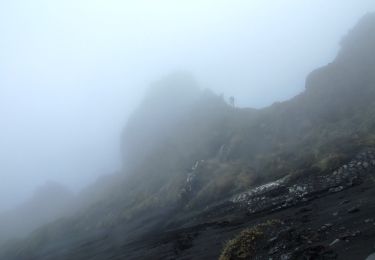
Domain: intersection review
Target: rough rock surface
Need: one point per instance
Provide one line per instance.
(327, 216)
(286, 192)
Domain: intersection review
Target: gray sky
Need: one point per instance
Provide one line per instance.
(71, 71)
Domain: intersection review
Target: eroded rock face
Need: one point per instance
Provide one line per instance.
(312, 228)
(191, 181)
(286, 192)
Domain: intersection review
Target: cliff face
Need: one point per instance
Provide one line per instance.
(348, 82)
(187, 154)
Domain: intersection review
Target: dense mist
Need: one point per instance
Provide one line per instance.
(73, 72)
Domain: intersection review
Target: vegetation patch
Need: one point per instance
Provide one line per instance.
(245, 244)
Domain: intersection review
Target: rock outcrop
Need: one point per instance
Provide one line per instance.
(291, 190)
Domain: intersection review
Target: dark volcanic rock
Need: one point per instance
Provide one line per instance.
(271, 196)
(353, 210)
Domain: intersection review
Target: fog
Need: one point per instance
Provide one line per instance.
(71, 72)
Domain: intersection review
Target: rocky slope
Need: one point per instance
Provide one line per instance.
(291, 181)
(49, 202)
